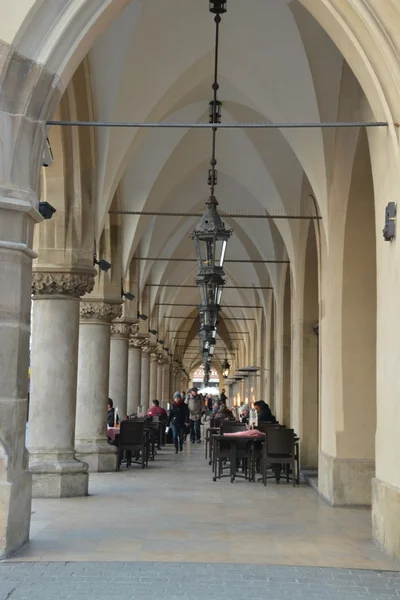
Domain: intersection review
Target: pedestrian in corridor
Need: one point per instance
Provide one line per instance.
(178, 419)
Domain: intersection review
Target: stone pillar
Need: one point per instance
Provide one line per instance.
(160, 368)
(118, 383)
(153, 377)
(17, 218)
(145, 377)
(93, 378)
(134, 371)
(166, 385)
(54, 361)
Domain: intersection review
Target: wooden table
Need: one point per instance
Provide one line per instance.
(233, 441)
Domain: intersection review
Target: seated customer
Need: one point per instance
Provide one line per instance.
(111, 414)
(156, 410)
(264, 412)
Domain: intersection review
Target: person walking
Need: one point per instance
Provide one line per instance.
(178, 419)
(195, 410)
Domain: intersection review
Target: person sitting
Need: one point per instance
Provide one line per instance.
(224, 412)
(156, 410)
(244, 416)
(264, 412)
(111, 414)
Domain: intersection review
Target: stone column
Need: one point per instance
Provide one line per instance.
(145, 377)
(93, 378)
(17, 218)
(118, 384)
(134, 371)
(166, 386)
(54, 361)
(153, 377)
(160, 368)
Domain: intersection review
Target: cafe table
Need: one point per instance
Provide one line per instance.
(234, 439)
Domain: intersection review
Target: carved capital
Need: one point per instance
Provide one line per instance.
(100, 311)
(120, 330)
(153, 355)
(62, 284)
(146, 348)
(136, 342)
(134, 329)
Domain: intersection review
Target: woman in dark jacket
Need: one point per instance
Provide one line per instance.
(178, 419)
(264, 412)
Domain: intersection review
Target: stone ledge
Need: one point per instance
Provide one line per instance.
(386, 517)
(345, 481)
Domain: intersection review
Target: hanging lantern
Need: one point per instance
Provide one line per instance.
(211, 237)
(225, 368)
(214, 111)
(218, 7)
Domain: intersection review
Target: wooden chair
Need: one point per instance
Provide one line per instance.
(279, 450)
(133, 441)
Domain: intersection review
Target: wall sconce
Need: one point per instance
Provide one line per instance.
(142, 317)
(153, 331)
(46, 210)
(389, 231)
(103, 264)
(126, 295)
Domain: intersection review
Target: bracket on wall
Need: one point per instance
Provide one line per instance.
(389, 231)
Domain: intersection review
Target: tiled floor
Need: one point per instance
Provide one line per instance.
(174, 512)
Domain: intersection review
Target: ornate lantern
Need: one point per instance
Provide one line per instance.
(225, 368)
(211, 238)
(218, 7)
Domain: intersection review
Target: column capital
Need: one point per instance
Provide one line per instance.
(153, 354)
(62, 284)
(120, 330)
(100, 311)
(137, 342)
(146, 348)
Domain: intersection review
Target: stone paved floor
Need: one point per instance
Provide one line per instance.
(153, 531)
(184, 581)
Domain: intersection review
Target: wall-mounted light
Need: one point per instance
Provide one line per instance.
(142, 317)
(161, 342)
(126, 295)
(46, 210)
(103, 264)
(153, 331)
(389, 231)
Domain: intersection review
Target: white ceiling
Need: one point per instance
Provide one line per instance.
(154, 63)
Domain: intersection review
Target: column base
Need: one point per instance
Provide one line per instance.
(345, 481)
(386, 517)
(15, 513)
(100, 457)
(58, 478)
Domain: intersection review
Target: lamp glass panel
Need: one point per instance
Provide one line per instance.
(220, 251)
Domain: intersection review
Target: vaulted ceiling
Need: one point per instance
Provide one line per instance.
(155, 63)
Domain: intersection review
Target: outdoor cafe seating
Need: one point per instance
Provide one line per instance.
(268, 448)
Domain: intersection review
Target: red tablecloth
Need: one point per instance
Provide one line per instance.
(249, 433)
(112, 432)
